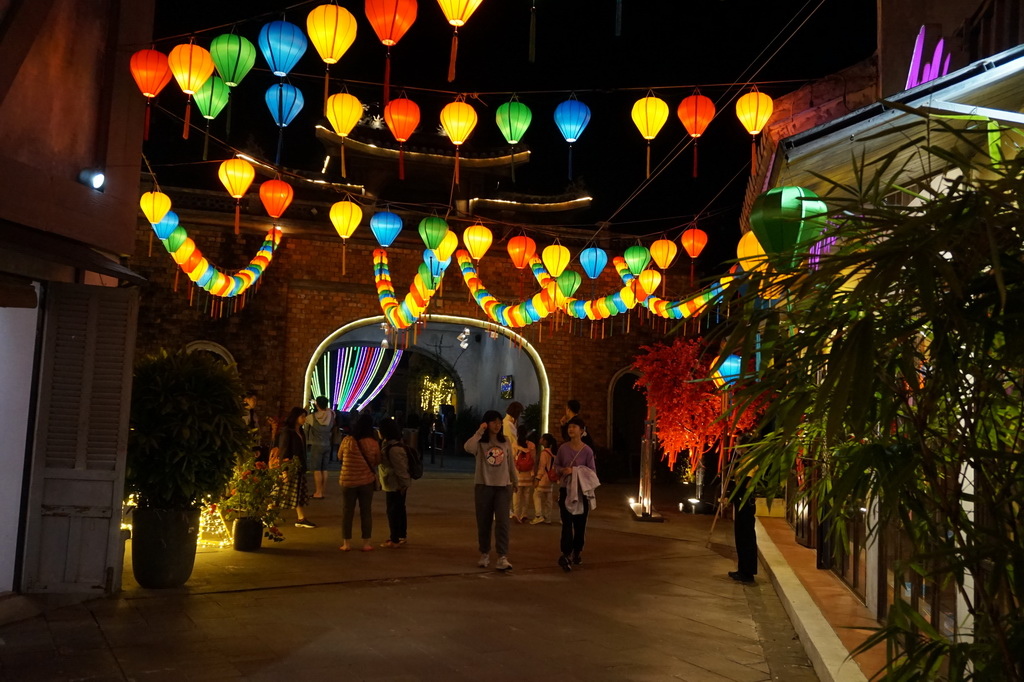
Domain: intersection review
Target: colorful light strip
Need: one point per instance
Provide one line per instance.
(357, 371)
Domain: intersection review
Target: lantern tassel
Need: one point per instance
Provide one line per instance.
(344, 172)
(206, 141)
(401, 162)
(188, 118)
(618, 18)
(150, 244)
(238, 216)
(145, 125)
(280, 141)
(455, 51)
(753, 155)
(648, 159)
(533, 32)
(344, 252)
(327, 79)
(695, 158)
(570, 162)
(456, 164)
(387, 77)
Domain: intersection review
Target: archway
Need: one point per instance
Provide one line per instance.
(627, 410)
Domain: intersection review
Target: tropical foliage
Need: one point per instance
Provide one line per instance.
(898, 365)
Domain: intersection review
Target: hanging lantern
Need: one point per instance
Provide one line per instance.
(572, 117)
(649, 114)
(664, 251)
(555, 258)
(282, 44)
(155, 206)
(385, 227)
(236, 175)
(285, 101)
(401, 116)
(191, 65)
(458, 120)
(211, 99)
(151, 73)
(276, 196)
(447, 246)
(513, 118)
(457, 12)
(637, 257)
(345, 216)
(753, 110)
(166, 225)
(593, 260)
(783, 217)
(477, 239)
(568, 282)
(649, 280)
(184, 252)
(233, 56)
(521, 249)
(750, 253)
(343, 111)
(390, 20)
(432, 231)
(695, 113)
(728, 372)
(435, 265)
(332, 29)
(694, 240)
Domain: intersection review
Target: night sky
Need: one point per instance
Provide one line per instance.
(667, 45)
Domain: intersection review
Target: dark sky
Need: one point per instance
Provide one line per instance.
(664, 44)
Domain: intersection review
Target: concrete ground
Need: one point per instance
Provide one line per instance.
(650, 602)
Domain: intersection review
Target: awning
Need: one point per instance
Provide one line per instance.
(19, 239)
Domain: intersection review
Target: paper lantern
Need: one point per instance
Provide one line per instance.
(175, 239)
(458, 120)
(694, 240)
(236, 175)
(555, 258)
(457, 12)
(435, 265)
(345, 216)
(521, 249)
(390, 20)
(649, 114)
(285, 101)
(276, 196)
(664, 251)
(343, 112)
(401, 116)
(728, 372)
(513, 118)
(191, 65)
(593, 260)
(155, 206)
(568, 282)
(784, 216)
(637, 257)
(695, 113)
(750, 253)
(151, 73)
(477, 240)
(183, 252)
(447, 246)
(233, 56)
(211, 98)
(432, 231)
(572, 117)
(649, 280)
(166, 225)
(385, 227)
(753, 110)
(282, 44)
(332, 29)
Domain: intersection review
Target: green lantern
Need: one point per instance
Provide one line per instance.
(212, 97)
(513, 119)
(432, 231)
(568, 282)
(783, 217)
(637, 257)
(233, 56)
(175, 239)
(428, 278)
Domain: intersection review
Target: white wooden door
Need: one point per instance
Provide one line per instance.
(72, 538)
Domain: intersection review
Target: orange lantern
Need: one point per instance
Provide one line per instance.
(521, 249)
(649, 114)
(343, 111)
(457, 12)
(664, 251)
(556, 259)
(276, 196)
(345, 216)
(754, 109)
(151, 73)
(236, 175)
(477, 240)
(155, 206)
(694, 240)
(390, 20)
(332, 30)
(458, 120)
(401, 116)
(191, 66)
(695, 113)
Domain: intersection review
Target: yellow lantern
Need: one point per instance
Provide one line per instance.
(447, 246)
(556, 259)
(477, 240)
(236, 175)
(345, 216)
(754, 109)
(155, 206)
(649, 280)
(649, 114)
(750, 253)
(458, 120)
(184, 252)
(343, 111)
(664, 251)
(628, 297)
(332, 30)
(457, 12)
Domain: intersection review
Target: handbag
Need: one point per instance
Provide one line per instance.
(376, 478)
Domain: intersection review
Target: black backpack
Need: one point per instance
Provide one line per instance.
(414, 459)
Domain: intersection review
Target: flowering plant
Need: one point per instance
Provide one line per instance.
(255, 492)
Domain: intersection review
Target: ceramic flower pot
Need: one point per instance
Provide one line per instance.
(164, 546)
(248, 534)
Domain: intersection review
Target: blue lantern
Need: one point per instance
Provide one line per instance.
(385, 227)
(593, 261)
(436, 266)
(728, 372)
(282, 44)
(166, 225)
(206, 277)
(285, 102)
(571, 117)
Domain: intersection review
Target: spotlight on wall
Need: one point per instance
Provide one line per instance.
(92, 177)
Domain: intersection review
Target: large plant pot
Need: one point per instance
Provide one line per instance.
(164, 546)
(248, 534)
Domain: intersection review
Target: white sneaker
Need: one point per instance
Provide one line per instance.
(484, 561)
(503, 564)
(536, 520)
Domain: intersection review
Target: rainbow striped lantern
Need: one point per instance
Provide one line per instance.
(385, 226)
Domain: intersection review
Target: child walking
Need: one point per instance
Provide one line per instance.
(544, 482)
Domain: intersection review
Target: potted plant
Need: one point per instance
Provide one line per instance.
(253, 504)
(186, 431)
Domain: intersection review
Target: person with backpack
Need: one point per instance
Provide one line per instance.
(526, 466)
(545, 487)
(395, 481)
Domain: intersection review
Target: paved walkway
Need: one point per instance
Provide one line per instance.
(651, 602)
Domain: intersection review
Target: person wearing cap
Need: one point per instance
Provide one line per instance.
(578, 478)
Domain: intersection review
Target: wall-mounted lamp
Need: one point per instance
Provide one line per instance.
(92, 177)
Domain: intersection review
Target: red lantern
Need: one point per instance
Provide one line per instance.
(695, 113)
(276, 196)
(401, 116)
(694, 240)
(390, 20)
(521, 249)
(151, 73)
